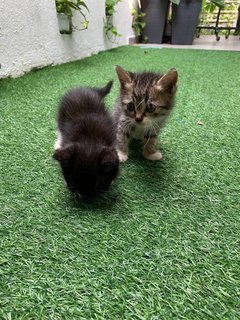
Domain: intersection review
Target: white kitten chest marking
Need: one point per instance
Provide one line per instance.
(58, 142)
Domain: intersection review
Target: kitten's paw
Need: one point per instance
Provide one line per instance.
(154, 156)
(122, 156)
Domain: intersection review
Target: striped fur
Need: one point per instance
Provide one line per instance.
(144, 103)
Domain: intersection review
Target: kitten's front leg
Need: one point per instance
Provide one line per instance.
(122, 146)
(149, 149)
(58, 142)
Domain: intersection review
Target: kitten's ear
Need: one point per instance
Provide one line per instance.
(64, 154)
(123, 76)
(168, 82)
(105, 90)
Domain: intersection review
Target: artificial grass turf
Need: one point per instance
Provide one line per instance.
(164, 242)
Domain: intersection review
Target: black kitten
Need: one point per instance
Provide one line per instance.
(85, 146)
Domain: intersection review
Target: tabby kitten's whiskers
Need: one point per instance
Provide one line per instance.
(144, 103)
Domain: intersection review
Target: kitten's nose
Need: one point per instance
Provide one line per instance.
(138, 119)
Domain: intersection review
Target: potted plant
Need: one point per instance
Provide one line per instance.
(184, 19)
(154, 19)
(65, 12)
(110, 30)
(185, 15)
(138, 24)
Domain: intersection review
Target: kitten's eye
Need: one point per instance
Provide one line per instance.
(150, 108)
(130, 106)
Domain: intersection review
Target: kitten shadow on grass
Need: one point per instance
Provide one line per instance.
(102, 202)
(139, 180)
(156, 176)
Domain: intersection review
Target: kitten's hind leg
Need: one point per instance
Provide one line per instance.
(154, 156)
(149, 149)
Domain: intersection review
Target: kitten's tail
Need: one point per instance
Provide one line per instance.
(105, 90)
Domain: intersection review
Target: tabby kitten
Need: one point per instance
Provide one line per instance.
(85, 146)
(144, 103)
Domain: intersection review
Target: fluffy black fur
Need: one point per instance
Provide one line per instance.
(86, 153)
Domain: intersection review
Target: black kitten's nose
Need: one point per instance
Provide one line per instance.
(84, 197)
(88, 195)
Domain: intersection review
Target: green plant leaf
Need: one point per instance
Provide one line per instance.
(73, 6)
(175, 1)
(85, 24)
(219, 3)
(210, 7)
(142, 24)
(83, 4)
(110, 12)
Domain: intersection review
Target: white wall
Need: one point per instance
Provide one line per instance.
(29, 34)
